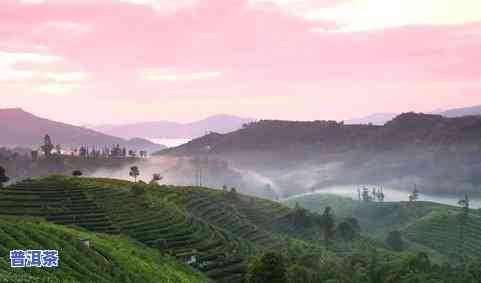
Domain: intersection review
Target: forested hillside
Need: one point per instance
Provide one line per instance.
(404, 130)
(297, 157)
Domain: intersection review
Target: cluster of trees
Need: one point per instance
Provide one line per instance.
(367, 267)
(375, 194)
(114, 151)
(231, 194)
(50, 150)
(347, 229)
(139, 187)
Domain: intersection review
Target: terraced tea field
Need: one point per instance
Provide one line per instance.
(442, 231)
(109, 258)
(221, 231)
(428, 227)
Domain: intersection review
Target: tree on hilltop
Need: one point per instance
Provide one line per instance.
(156, 178)
(77, 173)
(134, 172)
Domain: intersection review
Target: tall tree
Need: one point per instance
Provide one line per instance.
(134, 172)
(47, 146)
(328, 225)
(3, 177)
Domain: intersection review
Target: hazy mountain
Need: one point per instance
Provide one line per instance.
(382, 118)
(20, 128)
(465, 111)
(404, 129)
(299, 156)
(164, 129)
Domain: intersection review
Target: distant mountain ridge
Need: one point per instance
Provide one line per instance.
(221, 123)
(21, 128)
(383, 117)
(465, 111)
(405, 129)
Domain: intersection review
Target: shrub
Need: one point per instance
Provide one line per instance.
(270, 267)
(77, 173)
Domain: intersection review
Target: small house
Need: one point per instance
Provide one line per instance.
(85, 242)
(189, 258)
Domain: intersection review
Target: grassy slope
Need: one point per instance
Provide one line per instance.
(441, 231)
(110, 258)
(427, 226)
(224, 230)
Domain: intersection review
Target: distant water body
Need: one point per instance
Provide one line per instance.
(170, 142)
(397, 195)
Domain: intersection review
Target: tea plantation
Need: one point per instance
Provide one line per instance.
(109, 258)
(221, 230)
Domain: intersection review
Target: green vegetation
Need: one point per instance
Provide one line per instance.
(268, 268)
(222, 229)
(448, 233)
(230, 237)
(375, 218)
(108, 259)
(394, 240)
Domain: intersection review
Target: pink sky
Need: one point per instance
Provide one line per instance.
(114, 61)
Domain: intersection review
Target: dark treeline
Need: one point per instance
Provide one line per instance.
(51, 158)
(368, 267)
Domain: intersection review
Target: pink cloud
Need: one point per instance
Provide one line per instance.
(254, 51)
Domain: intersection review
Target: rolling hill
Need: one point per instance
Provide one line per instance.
(20, 128)
(296, 157)
(405, 129)
(164, 129)
(428, 226)
(222, 229)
